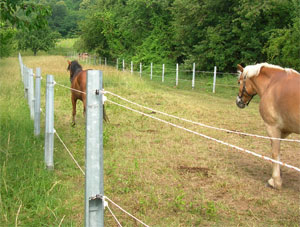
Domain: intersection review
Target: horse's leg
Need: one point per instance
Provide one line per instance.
(84, 104)
(275, 181)
(74, 100)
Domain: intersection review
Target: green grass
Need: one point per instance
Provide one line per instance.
(160, 174)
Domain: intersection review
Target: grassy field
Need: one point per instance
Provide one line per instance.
(162, 175)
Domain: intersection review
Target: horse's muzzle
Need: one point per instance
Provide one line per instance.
(240, 103)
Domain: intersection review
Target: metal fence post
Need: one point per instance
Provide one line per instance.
(37, 103)
(94, 209)
(117, 64)
(163, 73)
(140, 69)
(193, 80)
(25, 71)
(177, 69)
(123, 63)
(49, 121)
(21, 66)
(215, 78)
(31, 93)
(151, 70)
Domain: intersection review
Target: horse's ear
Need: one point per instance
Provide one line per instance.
(69, 62)
(240, 68)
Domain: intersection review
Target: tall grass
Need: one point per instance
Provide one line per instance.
(162, 175)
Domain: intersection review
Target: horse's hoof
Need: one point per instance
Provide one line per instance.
(271, 184)
(73, 124)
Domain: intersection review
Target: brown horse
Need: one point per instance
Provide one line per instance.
(78, 86)
(279, 91)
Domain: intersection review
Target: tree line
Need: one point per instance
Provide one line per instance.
(218, 32)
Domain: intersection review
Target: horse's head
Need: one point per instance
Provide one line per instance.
(246, 89)
(74, 67)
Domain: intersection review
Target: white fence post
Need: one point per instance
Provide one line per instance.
(117, 63)
(163, 73)
(193, 80)
(49, 121)
(140, 69)
(21, 66)
(215, 78)
(37, 103)
(26, 79)
(31, 93)
(94, 209)
(123, 63)
(177, 71)
(151, 70)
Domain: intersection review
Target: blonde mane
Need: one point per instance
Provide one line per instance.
(254, 70)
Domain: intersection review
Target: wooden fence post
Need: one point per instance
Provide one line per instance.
(37, 103)
(94, 209)
(49, 121)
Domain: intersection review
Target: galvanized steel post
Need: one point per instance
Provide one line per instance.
(151, 70)
(31, 93)
(140, 69)
(177, 69)
(94, 209)
(163, 73)
(26, 72)
(21, 66)
(49, 121)
(193, 80)
(37, 103)
(215, 78)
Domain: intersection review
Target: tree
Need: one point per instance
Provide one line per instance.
(7, 42)
(283, 46)
(22, 14)
(37, 40)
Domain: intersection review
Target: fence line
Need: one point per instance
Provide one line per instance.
(174, 125)
(208, 137)
(51, 83)
(164, 69)
(200, 124)
(69, 152)
(190, 121)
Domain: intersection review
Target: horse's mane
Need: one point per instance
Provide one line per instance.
(74, 68)
(254, 70)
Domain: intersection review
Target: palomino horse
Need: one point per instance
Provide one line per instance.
(279, 92)
(78, 83)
